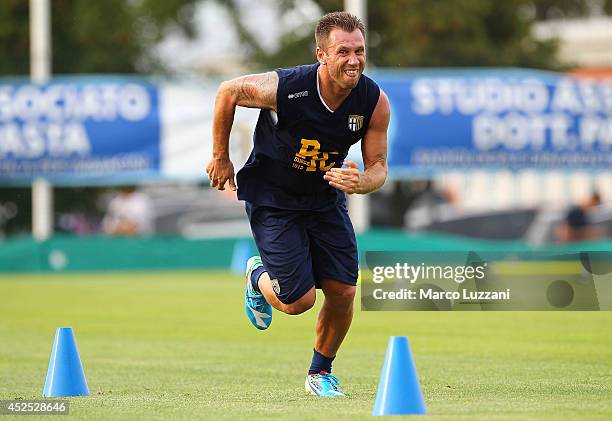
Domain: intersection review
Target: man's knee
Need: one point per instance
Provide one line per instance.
(302, 304)
(339, 292)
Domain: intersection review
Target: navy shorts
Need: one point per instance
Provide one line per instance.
(302, 248)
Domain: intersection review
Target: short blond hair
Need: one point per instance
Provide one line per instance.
(341, 20)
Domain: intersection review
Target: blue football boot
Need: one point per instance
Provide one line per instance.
(323, 384)
(257, 308)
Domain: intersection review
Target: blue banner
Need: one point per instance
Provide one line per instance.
(76, 130)
(116, 130)
(510, 118)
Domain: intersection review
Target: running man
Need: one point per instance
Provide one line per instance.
(295, 182)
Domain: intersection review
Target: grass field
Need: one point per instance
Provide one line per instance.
(177, 345)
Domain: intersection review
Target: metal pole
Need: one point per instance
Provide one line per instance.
(358, 8)
(40, 71)
(359, 204)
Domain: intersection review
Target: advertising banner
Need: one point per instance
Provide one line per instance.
(106, 130)
(506, 118)
(116, 129)
(79, 129)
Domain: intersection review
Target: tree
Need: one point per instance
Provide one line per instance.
(441, 33)
(109, 36)
(106, 36)
(451, 33)
(294, 49)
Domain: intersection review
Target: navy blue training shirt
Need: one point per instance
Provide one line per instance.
(290, 156)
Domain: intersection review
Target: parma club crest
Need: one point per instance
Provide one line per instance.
(275, 286)
(355, 122)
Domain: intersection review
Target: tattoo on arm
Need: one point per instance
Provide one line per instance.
(379, 158)
(255, 91)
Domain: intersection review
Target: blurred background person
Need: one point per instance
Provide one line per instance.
(130, 213)
(577, 225)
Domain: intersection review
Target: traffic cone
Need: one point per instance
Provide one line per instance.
(65, 376)
(242, 252)
(399, 392)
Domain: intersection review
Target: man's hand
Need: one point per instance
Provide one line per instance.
(221, 171)
(348, 179)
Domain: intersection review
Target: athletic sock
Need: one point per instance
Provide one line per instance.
(320, 363)
(255, 278)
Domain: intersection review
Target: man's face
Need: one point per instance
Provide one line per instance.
(344, 55)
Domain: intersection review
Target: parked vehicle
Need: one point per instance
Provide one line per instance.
(536, 226)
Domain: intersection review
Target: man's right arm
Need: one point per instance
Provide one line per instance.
(252, 91)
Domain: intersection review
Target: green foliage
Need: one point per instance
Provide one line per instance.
(441, 33)
(110, 36)
(14, 37)
(450, 33)
(118, 36)
(294, 48)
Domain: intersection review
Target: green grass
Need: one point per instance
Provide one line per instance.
(177, 345)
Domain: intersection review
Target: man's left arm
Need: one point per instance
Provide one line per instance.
(374, 152)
